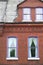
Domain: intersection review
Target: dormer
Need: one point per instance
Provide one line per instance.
(30, 11)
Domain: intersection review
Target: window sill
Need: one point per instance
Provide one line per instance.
(38, 20)
(11, 58)
(26, 20)
(33, 58)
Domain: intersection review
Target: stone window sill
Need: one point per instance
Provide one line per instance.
(11, 58)
(26, 20)
(38, 20)
(33, 58)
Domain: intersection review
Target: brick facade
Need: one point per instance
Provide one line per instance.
(22, 30)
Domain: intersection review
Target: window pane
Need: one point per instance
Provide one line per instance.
(12, 42)
(39, 11)
(39, 17)
(12, 47)
(37, 52)
(30, 41)
(12, 52)
(35, 41)
(33, 47)
(26, 11)
(33, 52)
(26, 17)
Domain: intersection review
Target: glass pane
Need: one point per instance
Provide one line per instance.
(35, 41)
(32, 49)
(32, 52)
(32, 44)
(36, 51)
(39, 17)
(26, 11)
(26, 17)
(30, 41)
(12, 42)
(39, 11)
(12, 52)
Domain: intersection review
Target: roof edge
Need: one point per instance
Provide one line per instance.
(21, 22)
(21, 3)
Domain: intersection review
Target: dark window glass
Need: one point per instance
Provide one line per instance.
(12, 53)
(32, 49)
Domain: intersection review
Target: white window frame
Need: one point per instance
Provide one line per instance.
(10, 46)
(26, 15)
(39, 14)
(37, 51)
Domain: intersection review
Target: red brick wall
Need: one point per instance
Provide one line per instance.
(22, 45)
(22, 33)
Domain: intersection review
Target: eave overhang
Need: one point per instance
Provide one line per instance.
(21, 27)
(22, 23)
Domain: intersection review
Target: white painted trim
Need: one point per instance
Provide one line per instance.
(11, 58)
(38, 20)
(33, 58)
(26, 20)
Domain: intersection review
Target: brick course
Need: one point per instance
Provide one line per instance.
(22, 32)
